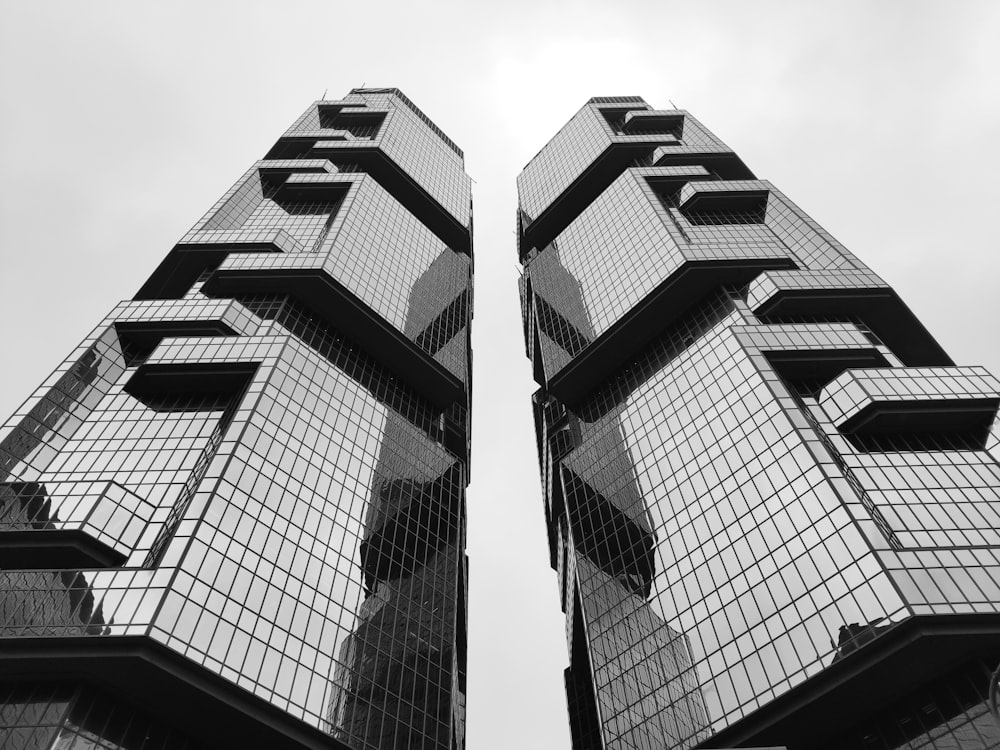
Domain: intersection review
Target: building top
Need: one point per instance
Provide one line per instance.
(616, 100)
(381, 132)
(607, 136)
(416, 110)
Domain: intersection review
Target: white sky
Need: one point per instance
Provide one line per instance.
(122, 123)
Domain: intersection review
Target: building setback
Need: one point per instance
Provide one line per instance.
(235, 516)
(772, 500)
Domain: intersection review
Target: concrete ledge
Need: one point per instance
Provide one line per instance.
(342, 309)
(860, 684)
(604, 170)
(166, 685)
(46, 549)
(372, 160)
(798, 293)
(893, 400)
(647, 319)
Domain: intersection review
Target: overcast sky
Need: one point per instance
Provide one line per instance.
(122, 123)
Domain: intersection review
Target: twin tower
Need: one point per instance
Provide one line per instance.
(235, 516)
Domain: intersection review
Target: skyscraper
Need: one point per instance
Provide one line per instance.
(772, 500)
(235, 516)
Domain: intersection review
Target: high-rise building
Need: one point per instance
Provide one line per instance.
(772, 500)
(235, 516)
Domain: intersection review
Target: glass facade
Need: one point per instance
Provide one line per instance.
(235, 516)
(772, 499)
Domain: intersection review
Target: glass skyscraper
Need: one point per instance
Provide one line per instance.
(235, 516)
(772, 500)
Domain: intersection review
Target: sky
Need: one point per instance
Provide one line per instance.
(122, 123)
